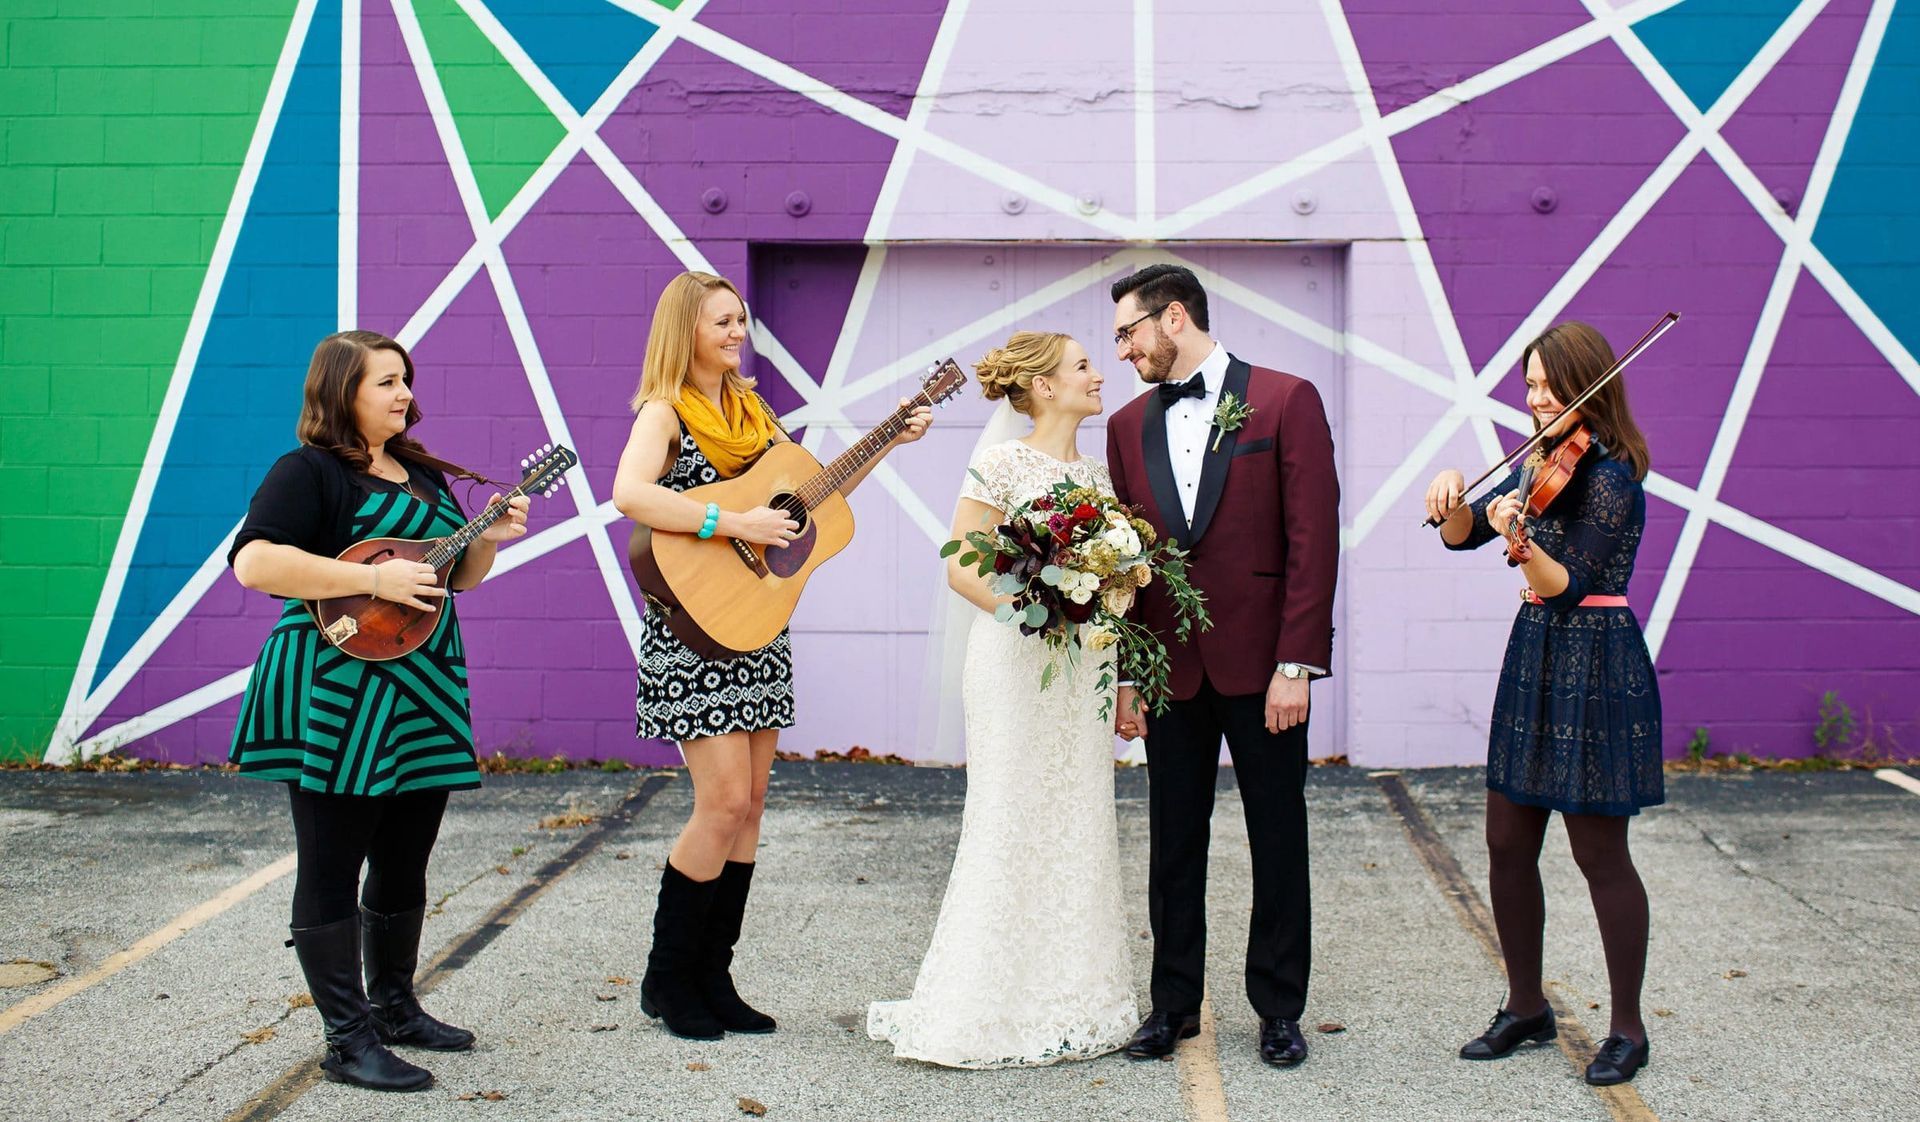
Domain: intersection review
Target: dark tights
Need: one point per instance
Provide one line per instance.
(1514, 835)
(335, 835)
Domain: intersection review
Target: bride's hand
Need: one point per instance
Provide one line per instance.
(1129, 715)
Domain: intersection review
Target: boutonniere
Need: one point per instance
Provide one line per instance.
(1229, 416)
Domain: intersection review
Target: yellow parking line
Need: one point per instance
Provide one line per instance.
(179, 925)
(1201, 1089)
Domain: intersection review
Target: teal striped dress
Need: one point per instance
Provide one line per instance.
(320, 718)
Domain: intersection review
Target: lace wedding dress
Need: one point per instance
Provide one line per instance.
(1029, 962)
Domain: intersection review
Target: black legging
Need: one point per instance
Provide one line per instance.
(1514, 835)
(335, 834)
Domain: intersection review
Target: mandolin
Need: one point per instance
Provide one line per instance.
(724, 597)
(378, 630)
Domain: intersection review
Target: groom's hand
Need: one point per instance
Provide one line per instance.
(1286, 703)
(1129, 716)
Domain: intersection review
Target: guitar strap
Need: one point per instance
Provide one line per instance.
(451, 468)
(771, 415)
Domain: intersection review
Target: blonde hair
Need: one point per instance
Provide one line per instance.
(669, 357)
(1008, 371)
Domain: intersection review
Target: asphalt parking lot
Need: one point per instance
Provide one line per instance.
(141, 920)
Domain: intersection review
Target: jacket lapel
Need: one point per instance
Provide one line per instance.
(1153, 446)
(1218, 457)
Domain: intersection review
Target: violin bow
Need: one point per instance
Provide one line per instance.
(1533, 441)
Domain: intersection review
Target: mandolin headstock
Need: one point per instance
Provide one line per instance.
(546, 470)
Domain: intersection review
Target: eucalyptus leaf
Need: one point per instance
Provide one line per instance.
(1050, 576)
(951, 548)
(1004, 613)
(1036, 614)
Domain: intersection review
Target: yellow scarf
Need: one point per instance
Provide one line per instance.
(732, 434)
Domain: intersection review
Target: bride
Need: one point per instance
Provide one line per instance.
(1029, 962)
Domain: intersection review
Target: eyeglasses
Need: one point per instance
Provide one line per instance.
(1124, 336)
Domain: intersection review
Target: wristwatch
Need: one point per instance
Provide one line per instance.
(1292, 670)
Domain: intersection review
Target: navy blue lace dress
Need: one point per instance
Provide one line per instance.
(1576, 717)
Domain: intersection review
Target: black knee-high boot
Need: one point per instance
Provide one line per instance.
(723, 931)
(330, 958)
(671, 988)
(391, 946)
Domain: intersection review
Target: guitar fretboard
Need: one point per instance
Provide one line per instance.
(815, 491)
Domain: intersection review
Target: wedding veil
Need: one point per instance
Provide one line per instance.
(942, 734)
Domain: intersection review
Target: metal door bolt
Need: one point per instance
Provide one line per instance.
(799, 203)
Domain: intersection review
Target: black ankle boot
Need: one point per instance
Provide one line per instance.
(671, 988)
(330, 958)
(390, 945)
(723, 931)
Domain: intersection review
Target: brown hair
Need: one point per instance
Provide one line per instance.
(1574, 356)
(1008, 371)
(333, 380)
(663, 373)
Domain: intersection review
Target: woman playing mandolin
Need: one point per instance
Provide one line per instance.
(1576, 716)
(368, 750)
(698, 421)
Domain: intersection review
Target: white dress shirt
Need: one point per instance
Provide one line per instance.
(1190, 429)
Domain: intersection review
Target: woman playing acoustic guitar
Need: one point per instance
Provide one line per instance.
(1576, 717)
(698, 421)
(368, 750)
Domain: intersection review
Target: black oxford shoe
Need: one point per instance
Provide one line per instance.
(1620, 1059)
(1508, 1032)
(1160, 1032)
(1281, 1043)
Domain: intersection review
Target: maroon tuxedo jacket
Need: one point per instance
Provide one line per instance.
(1265, 539)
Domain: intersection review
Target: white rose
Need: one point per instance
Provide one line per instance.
(1100, 638)
(1080, 595)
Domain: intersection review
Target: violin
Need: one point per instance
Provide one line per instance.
(1533, 443)
(1545, 474)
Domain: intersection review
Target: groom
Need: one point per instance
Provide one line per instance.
(1256, 503)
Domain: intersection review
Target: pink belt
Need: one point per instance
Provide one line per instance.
(1528, 595)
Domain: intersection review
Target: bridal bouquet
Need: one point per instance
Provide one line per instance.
(1072, 560)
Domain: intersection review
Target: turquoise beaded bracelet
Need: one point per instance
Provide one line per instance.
(712, 522)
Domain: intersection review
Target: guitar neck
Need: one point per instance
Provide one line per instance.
(864, 451)
(449, 547)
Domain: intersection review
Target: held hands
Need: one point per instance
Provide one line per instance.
(412, 583)
(1444, 494)
(917, 423)
(510, 525)
(764, 525)
(1129, 715)
(1287, 702)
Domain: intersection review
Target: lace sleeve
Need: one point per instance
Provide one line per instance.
(1482, 531)
(986, 478)
(1606, 514)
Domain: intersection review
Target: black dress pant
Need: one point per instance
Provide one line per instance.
(1183, 749)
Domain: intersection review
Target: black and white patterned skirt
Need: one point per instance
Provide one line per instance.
(681, 696)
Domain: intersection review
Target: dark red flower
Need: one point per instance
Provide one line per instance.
(1085, 512)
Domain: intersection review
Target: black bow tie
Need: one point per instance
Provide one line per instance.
(1171, 392)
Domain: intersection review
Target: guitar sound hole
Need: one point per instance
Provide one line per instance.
(794, 508)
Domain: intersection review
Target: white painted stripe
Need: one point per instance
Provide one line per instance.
(1407, 117)
(1899, 779)
(612, 572)
(1439, 307)
(349, 252)
(522, 203)
(860, 112)
(924, 99)
(68, 730)
(186, 921)
(1146, 161)
(179, 709)
(157, 633)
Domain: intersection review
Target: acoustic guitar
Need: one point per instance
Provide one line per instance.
(378, 630)
(724, 597)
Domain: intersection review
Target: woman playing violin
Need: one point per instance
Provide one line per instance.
(1576, 716)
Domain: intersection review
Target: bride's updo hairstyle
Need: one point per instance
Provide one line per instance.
(1009, 371)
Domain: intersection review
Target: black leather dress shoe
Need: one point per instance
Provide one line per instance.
(1619, 1060)
(1160, 1032)
(1281, 1043)
(1508, 1032)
